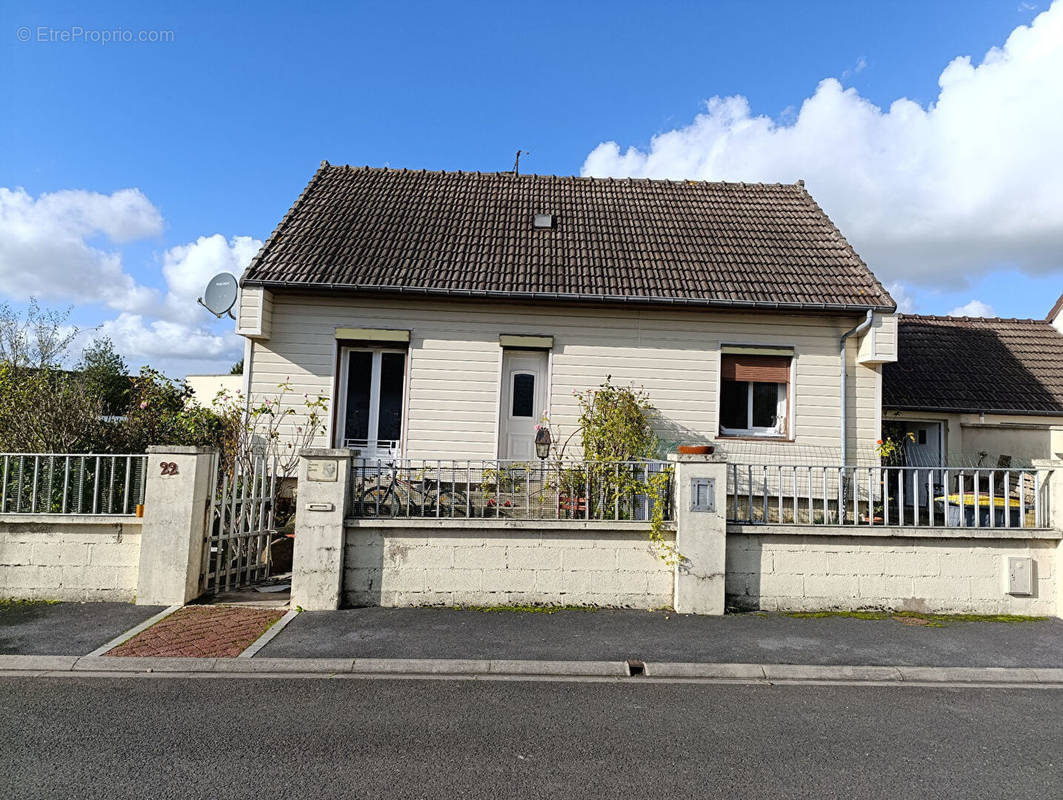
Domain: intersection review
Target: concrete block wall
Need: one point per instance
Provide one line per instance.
(507, 563)
(69, 558)
(946, 574)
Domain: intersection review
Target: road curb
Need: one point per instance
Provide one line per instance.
(269, 634)
(495, 668)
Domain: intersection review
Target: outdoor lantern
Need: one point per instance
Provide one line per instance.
(542, 442)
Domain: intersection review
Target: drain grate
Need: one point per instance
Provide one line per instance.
(636, 668)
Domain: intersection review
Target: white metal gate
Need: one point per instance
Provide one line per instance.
(236, 551)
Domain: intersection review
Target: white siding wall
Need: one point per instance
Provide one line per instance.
(254, 312)
(880, 343)
(455, 357)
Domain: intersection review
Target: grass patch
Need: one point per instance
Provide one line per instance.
(15, 602)
(915, 617)
(526, 609)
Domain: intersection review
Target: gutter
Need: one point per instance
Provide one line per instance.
(303, 287)
(859, 329)
(1014, 412)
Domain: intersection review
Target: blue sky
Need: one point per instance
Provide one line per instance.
(219, 129)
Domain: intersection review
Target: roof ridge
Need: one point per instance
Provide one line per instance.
(950, 318)
(602, 178)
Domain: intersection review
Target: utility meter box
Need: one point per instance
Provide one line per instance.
(1020, 575)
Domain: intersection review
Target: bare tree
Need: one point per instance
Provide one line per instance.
(36, 339)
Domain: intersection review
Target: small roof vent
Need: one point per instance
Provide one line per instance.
(543, 221)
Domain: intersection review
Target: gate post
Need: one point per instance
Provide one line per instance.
(176, 504)
(317, 563)
(701, 532)
(1051, 472)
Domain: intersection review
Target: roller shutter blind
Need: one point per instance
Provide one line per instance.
(756, 369)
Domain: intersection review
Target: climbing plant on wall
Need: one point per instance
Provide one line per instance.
(620, 448)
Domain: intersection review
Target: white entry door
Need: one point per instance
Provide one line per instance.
(923, 450)
(523, 402)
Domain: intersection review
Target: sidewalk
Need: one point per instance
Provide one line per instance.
(663, 636)
(43, 628)
(53, 639)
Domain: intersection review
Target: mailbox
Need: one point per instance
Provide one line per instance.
(703, 494)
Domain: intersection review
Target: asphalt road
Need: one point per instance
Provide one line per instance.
(292, 738)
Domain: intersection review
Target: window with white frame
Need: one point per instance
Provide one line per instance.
(754, 395)
(372, 388)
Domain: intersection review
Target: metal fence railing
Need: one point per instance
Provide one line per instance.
(49, 483)
(550, 489)
(951, 497)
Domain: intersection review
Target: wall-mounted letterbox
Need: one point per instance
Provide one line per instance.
(703, 494)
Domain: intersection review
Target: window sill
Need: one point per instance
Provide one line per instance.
(737, 437)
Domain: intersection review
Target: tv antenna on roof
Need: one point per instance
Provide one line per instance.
(516, 163)
(220, 295)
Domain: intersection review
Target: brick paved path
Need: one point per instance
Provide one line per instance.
(201, 632)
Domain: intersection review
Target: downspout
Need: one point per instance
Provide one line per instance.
(863, 326)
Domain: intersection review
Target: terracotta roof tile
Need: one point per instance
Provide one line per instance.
(975, 365)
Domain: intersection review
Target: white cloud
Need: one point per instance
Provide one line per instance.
(136, 336)
(185, 332)
(905, 302)
(66, 246)
(186, 335)
(49, 247)
(975, 308)
(927, 195)
(187, 269)
(859, 66)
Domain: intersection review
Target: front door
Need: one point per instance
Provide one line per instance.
(523, 402)
(371, 389)
(922, 450)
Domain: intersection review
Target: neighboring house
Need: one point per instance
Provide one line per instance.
(976, 391)
(1055, 316)
(207, 387)
(445, 314)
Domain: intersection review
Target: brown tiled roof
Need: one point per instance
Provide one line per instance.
(631, 240)
(974, 365)
(1056, 309)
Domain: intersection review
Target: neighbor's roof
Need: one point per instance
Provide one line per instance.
(627, 240)
(1011, 366)
(1056, 309)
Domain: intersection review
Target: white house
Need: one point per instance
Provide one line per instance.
(445, 314)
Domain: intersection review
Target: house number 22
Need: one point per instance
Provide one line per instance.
(168, 467)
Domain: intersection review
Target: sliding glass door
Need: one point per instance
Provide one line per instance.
(371, 393)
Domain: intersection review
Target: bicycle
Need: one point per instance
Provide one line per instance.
(430, 497)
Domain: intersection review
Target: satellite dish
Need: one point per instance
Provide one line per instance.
(220, 295)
